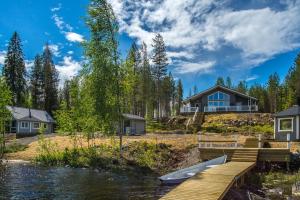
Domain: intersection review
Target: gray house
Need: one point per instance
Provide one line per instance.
(134, 124)
(219, 99)
(26, 121)
(287, 121)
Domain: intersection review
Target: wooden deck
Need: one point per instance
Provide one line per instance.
(211, 184)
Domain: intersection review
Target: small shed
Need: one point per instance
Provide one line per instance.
(134, 124)
(287, 121)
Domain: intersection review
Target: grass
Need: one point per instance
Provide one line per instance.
(141, 155)
(15, 147)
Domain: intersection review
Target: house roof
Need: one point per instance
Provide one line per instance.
(20, 113)
(131, 116)
(292, 111)
(218, 87)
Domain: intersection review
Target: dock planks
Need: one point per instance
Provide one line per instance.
(212, 184)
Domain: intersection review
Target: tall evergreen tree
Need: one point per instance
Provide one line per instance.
(14, 70)
(242, 87)
(145, 84)
(160, 63)
(229, 82)
(179, 96)
(37, 83)
(273, 88)
(195, 90)
(50, 81)
(220, 81)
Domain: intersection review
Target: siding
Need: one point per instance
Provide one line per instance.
(283, 135)
(29, 131)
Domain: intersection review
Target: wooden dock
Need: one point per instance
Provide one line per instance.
(211, 184)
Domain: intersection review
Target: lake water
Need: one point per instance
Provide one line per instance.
(26, 181)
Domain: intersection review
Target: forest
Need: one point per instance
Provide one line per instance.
(108, 86)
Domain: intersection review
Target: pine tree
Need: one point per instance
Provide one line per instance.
(145, 84)
(66, 93)
(195, 90)
(220, 81)
(297, 78)
(273, 91)
(36, 83)
(50, 82)
(14, 70)
(159, 71)
(242, 87)
(228, 82)
(179, 96)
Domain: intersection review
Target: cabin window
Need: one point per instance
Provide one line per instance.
(45, 126)
(285, 124)
(24, 124)
(36, 125)
(218, 99)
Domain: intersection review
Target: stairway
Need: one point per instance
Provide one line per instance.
(245, 155)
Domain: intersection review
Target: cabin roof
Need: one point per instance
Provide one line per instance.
(131, 116)
(218, 87)
(27, 114)
(292, 111)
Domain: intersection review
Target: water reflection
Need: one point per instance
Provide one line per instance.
(25, 181)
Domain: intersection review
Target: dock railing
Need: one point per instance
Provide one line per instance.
(233, 143)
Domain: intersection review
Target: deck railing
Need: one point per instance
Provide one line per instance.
(252, 108)
(233, 143)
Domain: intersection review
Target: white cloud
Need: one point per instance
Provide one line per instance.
(54, 48)
(57, 8)
(67, 29)
(68, 68)
(74, 37)
(255, 35)
(70, 52)
(251, 78)
(192, 67)
(2, 57)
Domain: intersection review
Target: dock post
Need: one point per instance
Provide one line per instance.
(199, 139)
(288, 141)
(259, 141)
(236, 141)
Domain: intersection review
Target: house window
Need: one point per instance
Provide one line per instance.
(218, 99)
(24, 125)
(36, 125)
(45, 126)
(285, 124)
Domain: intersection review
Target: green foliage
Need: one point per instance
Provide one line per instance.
(5, 115)
(14, 70)
(50, 82)
(279, 179)
(37, 83)
(14, 147)
(223, 128)
(220, 81)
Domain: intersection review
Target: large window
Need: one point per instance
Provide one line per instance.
(218, 99)
(24, 125)
(36, 125)
(285, 124)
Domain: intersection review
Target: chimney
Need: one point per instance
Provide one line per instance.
(29, 112)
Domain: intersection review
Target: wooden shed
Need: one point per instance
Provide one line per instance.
(134, 124)
(287, 121)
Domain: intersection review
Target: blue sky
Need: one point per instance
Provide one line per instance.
(246, 40)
